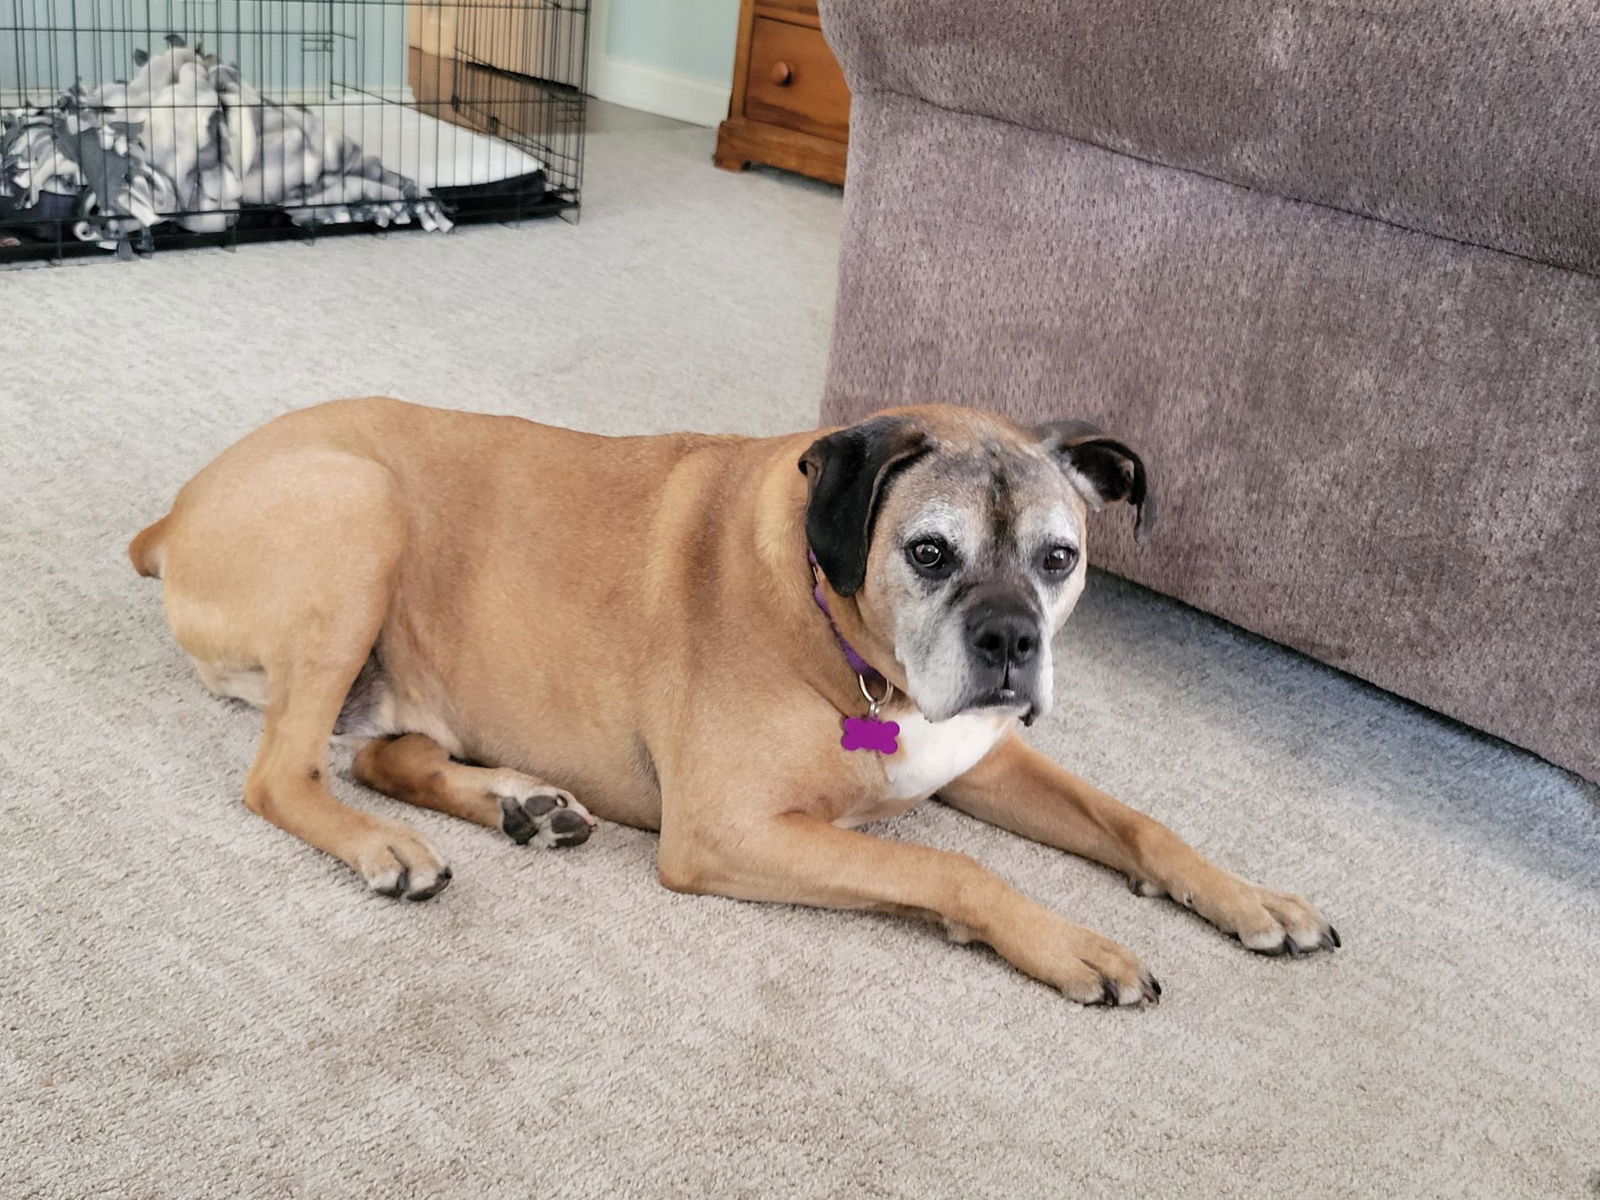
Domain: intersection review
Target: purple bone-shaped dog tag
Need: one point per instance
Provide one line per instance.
(869, 733)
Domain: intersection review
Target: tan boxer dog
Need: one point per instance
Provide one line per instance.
(750, 644)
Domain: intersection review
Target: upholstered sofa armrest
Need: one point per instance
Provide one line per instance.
(1477, 120)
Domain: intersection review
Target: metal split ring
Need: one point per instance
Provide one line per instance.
(874, 705)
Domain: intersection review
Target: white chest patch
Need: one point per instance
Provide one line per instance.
(931, 755)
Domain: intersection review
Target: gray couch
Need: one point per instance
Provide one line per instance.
(1334, 268)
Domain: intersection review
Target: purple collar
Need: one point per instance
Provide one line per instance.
(871, 732)
(857, 664)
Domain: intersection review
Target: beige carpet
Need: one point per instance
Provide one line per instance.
(194, 1005)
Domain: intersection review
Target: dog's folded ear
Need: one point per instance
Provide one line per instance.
(1102, 468)
(849, 471)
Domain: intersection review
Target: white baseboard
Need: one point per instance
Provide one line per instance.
(650, 89)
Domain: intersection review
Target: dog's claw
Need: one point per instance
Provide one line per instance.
(1111, 995)
(1289, 948)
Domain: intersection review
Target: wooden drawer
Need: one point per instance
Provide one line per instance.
(802, 8)
(790, 106)
(795, 81)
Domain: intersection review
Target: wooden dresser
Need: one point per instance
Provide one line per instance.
(790, 105)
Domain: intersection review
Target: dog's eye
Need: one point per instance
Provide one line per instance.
(930, 556)
(1059, 558)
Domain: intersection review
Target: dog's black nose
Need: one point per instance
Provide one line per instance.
(1003, 632)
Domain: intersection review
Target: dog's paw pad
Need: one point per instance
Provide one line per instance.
(545, 816)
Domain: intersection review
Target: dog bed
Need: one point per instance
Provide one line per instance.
(189, 143)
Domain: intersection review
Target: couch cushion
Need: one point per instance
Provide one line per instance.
(1477, 120)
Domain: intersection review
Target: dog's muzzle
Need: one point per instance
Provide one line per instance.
(1004, 638)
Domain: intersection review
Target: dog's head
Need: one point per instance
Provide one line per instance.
(962, 539)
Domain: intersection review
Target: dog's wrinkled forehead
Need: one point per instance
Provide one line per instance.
(1016, 485)
(995, 497)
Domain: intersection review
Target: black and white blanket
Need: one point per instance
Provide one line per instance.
(187, 139)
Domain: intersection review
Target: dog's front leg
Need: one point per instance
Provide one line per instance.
(1017, 788)
(799, 859)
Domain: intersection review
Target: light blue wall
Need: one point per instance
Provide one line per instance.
(275, 42)
(681, 37)
(283, 47)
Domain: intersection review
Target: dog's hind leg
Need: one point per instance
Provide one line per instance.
(416, 769)
(283, 567)
(288, 785)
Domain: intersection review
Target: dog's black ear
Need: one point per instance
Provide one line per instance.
(1102, 468)
(849, 471)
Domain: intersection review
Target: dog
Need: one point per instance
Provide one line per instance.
(752, 645)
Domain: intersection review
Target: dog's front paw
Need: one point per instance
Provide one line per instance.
(1282, 923)
(1086, 967)
(1264, 920)
(541, 814)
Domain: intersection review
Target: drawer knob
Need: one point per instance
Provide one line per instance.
(782, 74)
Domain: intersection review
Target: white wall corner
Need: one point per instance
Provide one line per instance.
(650, 89)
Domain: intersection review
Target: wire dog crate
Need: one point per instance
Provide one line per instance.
(127, 125)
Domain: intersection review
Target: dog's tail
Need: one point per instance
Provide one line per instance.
(145, 549)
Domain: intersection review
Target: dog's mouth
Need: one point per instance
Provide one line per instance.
(1004, 698)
